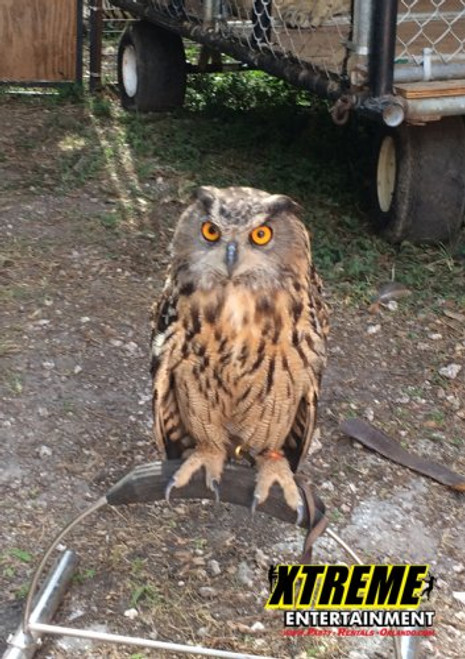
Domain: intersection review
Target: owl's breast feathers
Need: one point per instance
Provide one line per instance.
(239, 366)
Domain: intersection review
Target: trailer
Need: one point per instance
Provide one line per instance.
(398, 63)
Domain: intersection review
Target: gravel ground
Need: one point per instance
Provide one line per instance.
(75, 416)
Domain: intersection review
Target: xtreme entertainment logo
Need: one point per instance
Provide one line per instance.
(313, 596)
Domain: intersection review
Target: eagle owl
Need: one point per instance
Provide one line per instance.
(239, 341)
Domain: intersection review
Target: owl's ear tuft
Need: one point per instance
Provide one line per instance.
(206, 195)
(280, 203)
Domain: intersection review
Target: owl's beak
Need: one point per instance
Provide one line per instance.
(232, 250)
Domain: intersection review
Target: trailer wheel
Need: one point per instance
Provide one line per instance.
(151, 68)
(419, 182)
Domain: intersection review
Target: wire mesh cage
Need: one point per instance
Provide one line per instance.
(306, 33)
(106, 22)
(431, 28)
(327, 47)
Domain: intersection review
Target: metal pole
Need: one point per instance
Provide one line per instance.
(24, 644)
(58, 538)
(95, 45)
(142, 642)
(383, 47)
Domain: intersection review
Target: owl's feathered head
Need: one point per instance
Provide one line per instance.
(241, 234)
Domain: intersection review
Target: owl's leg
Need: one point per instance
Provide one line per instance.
(273, 467)
(212, 459)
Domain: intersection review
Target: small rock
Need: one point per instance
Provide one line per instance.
(459, 568)
(244, 574)
(257, 627)
(327, 485)
(315, 446)
(392, 305)
(202, 631)
(454, 402)
(460, 596)
(369, 414)
(43, 322)
(48, 365)
(214, 568)
(116, 343)
(43, 412)
(435, 337)
(132, 348)
(77, 369)
(131, 614)
(207, 592)
(44, 451)
(84, 319)
(261, 559)
(402, 400)
(373, 329)
(450, 371)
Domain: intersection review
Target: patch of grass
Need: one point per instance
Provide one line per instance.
(84, 575)
(100, 106)
(137, 565)
(437, 416)
(21, 554)
(250, 129)
(22, 591)
(147, 592)
(14, 383)
(68, 406)
(110, 220)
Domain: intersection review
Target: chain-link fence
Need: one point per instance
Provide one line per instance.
(431, 28)
(308, 32)
(325, 37)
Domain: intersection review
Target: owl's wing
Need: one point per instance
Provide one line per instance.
(298, 441)
(170, 434)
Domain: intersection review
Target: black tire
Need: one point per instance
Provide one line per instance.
(418, 189)
(151, 68)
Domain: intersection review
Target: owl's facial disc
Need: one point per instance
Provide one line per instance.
(232, 252)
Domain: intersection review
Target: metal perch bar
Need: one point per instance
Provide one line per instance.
(142, 642)
(147, 483)
(25, 642)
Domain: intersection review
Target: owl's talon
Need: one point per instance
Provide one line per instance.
(215, 487)
(169, 487)
(255, 503)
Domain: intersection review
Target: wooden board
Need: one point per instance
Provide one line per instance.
(437, 89)
(38, 40)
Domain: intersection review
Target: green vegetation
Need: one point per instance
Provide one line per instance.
(243, 129)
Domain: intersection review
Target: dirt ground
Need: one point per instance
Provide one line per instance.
(83, 249)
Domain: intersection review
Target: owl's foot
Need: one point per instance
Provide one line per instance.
(213, 462)
(273, 467)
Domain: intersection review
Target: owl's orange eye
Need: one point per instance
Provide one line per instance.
(210, 232)
(261, 235)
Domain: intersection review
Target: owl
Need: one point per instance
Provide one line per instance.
(239, 341)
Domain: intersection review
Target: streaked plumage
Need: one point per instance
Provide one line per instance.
(239, 341)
